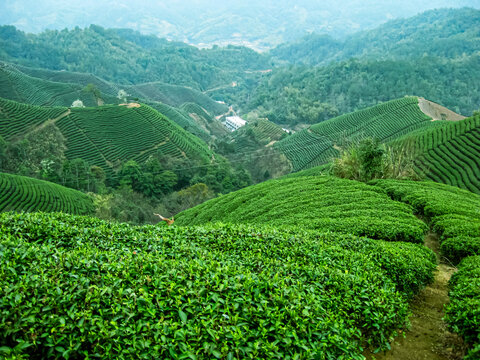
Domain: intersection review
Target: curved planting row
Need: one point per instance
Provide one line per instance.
(322, 203)
(18, 86)
(16, 119)
(181, 119)
(449, 154)
(108, 135)
(97, 289)
(455, 215)
(315, 146)
(20, 193)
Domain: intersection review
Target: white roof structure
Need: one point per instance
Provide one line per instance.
(234, 122)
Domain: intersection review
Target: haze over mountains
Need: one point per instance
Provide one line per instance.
(258, 24)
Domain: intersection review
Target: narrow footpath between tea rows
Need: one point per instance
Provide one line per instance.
(428, 338)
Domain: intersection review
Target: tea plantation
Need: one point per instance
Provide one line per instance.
(77, 287)
(455, 215)
(17, 86)
(20, 193)
(315, 145)
(324, 203)
(105, 136)
(449, 153)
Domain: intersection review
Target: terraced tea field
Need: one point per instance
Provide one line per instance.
(454, 214)
(316, 145)
(322, 203)
(450, 153)
(17, 86)
(108, 135)
(20, 193)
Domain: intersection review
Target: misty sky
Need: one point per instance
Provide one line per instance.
(212, 21)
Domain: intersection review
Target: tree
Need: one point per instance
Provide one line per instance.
(368, 159)
(166, 181)
(78, 103)
(131, 175)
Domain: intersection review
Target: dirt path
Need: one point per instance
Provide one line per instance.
(438, 112)
(52, 121)
(428, 337)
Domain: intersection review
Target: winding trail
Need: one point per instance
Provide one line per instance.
(428, 338)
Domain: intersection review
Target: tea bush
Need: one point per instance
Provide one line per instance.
(453, 213)
(463, 312)
(321, 202)
(77, 287)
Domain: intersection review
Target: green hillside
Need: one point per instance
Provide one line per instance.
(257, 133)
(181, 118)
(112, 290)
(176, 96)
(17, 86)
(446, 33)
(105, 136)
(316, 145)
(60, 88)
(321, 203)
(448, 153)
(120, 56)
(20, 193)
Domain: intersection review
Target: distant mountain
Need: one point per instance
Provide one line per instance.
(259, 24)
(127, 57)
(445, 33)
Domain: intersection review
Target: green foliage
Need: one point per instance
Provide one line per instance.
(368, 160)
(105, 137)
(463, 311)
(452, 212)
(461, 247)
(119, 59)
(449, 153)
(115, 291)
(318, 144)
(19, 193)
(355, 84)
(16, 119)
(322, 203)
(445, 33)
(19, 86)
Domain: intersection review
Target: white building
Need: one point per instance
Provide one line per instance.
(234, 122)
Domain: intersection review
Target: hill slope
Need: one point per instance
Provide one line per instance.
(446, 33)
(60, 88)
(20, 193)
(316, 145)
(126, 57)
(321, 203)
(449, 153)
(105, 136)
